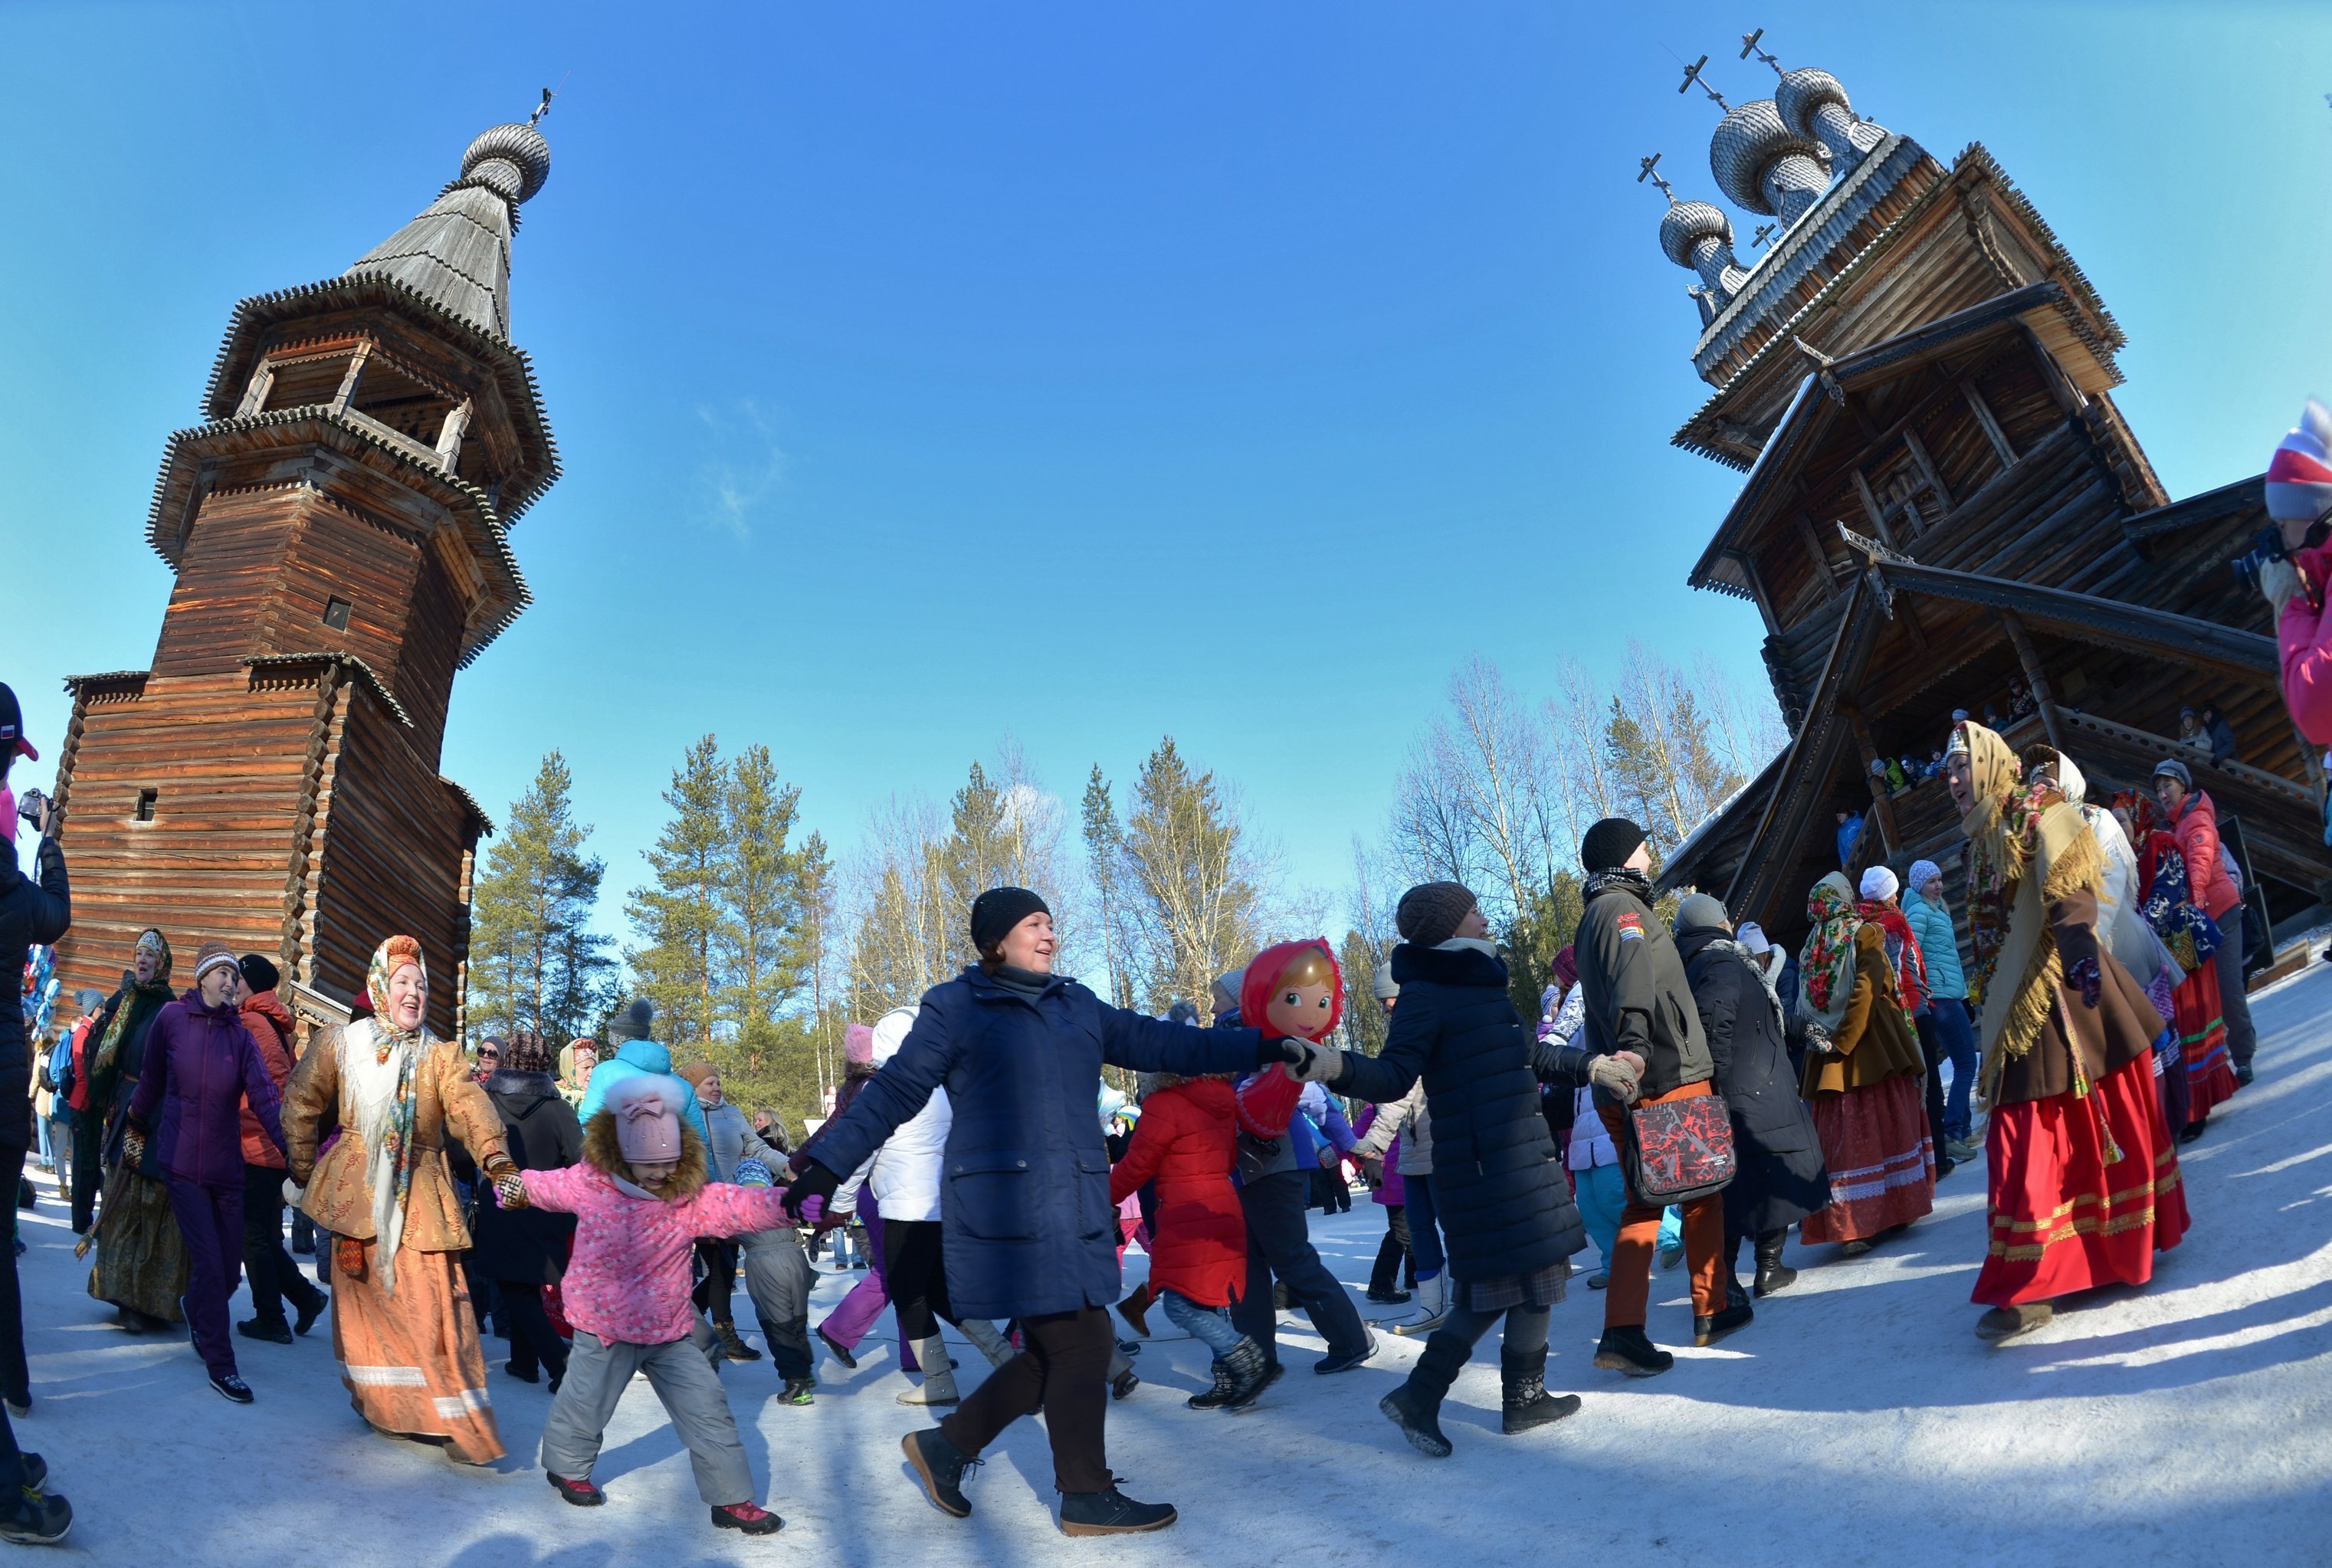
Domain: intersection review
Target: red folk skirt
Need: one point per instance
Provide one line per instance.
(1882, 1164)
(2062, 1220)
(2202, 1031)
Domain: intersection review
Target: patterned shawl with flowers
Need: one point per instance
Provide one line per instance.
(377, 1066)
(1902, 952)
(2028, 845)
(1826, 963)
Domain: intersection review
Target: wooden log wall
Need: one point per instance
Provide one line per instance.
(391, 842)
(226, 763)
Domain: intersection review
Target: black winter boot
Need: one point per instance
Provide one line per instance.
(1770, 1274)
(940, 1465)
(1226, 1384)
(1110, 1513)
(1414, 1407)
(1250, 1374)
(1735, 1314)
(1527, 1402)
(1629, 1350)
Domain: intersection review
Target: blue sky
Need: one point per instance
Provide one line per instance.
(929, 374)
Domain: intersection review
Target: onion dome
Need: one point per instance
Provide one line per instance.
(1764, 167)
(456, 254)
(1813, 106)
(1696, 235)
(510, 160)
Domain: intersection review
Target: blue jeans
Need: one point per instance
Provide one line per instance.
(1603, 1196)
(1424, 1231)
(1210, 1325)
(1956, 1036)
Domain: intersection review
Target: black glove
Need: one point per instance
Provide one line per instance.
(809, 1179)
(1270, 1053)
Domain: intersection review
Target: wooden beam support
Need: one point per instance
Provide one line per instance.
(341, 399)
(1822, 568)
(2043, 692)
(449, 439)
(1871, 510)
(1927, 470)
(1881, 804)
(1991, 430)
(1757, 591)
(255, 396)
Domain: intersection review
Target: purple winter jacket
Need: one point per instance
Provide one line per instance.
(201, 1065)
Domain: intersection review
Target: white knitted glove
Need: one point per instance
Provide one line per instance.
(293, 1193)
(1320, 1063)
(1615, 1078)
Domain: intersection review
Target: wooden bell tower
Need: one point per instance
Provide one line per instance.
(339, 528)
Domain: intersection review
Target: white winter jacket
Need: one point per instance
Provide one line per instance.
(904, 1172)
(1407, 1118)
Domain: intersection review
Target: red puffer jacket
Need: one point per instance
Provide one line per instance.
(1187, 1142)
(2197, 831)
(271, 1025)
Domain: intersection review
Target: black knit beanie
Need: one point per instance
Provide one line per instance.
(1428, 914)
(258, 973)
(1609, 844)
(995, 912)
(633, 1023)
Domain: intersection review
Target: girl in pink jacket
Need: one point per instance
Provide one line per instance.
(641, 1200)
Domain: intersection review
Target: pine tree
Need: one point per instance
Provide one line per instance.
(1190, 880)
(760, 889)
(533, 963)
(1106, 855)
(681, 921)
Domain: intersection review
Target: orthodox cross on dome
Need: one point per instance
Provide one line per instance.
(1648, 171)
(1749, 47)
(541, 108)
(1691, 79)
(1765, 235)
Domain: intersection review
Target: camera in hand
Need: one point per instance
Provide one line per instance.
(30, 805)
(2266, 545)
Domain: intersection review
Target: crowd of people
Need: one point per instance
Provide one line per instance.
(1691, 1091)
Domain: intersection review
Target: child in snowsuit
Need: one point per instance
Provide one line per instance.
(641, 1200)
(1187, 1142)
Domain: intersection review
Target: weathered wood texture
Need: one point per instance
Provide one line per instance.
(226, 758)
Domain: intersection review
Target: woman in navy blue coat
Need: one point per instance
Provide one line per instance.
(1024, 1197)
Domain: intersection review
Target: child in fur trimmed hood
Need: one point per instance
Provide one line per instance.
(641, 1199)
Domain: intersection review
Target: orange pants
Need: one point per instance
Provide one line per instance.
(1629, 1295)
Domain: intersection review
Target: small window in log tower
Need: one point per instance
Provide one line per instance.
(145, 798)
(335, 614)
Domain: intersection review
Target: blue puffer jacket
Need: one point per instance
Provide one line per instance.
(1938, 945)
(639, 1056)
(1024, 1190)
(1503, 1200)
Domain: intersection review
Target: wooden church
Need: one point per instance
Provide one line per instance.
(1943, 509)
(339, 526)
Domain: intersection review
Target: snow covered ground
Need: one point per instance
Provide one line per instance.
(1859, 1420)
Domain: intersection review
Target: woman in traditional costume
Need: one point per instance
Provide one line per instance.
(1862, 1074)
(2167, 898)
(2084, 1183)
(142, 1262)
(402, 1327)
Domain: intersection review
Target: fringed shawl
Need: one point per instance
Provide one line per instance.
(2029, 848)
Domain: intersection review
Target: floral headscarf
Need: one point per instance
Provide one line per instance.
(391, 956)
(140, 1000)
(382, 1093)
(1826, 963)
